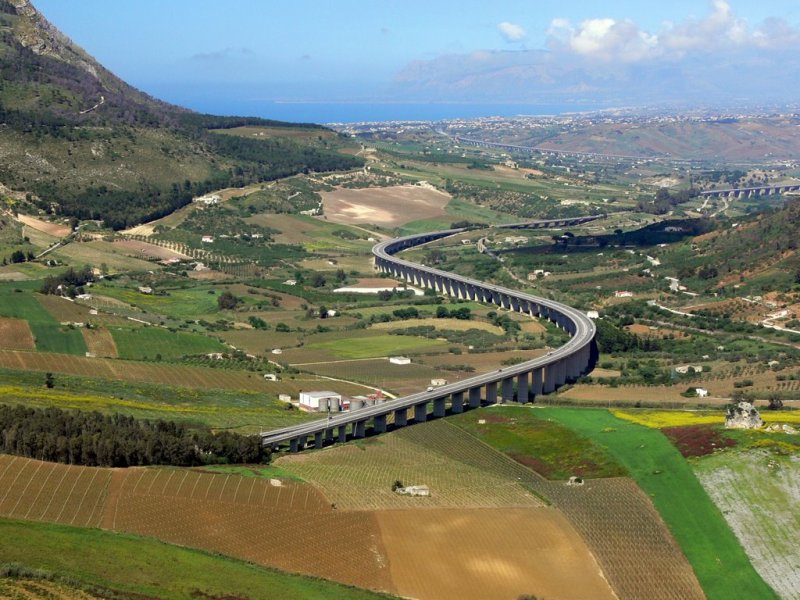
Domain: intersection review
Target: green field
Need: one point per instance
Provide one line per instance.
(547, 447)
(135, 565)
(148, 342)
(376, 346)
(181, 303)
(49, 334)
(245, 411)
(715, 554)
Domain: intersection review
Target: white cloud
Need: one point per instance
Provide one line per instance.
(511, 32)
(611, 40)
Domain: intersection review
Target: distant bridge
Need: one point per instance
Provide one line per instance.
(531, 378)
(748, 192)
(550, 223)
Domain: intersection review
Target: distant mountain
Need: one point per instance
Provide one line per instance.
(83, 142)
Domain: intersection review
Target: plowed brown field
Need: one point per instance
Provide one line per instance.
(388, 206)
(495, 553)
(100, 342)
(291, 527)
(15, 334)
(40, 491)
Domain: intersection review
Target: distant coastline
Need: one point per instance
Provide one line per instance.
(353, 112)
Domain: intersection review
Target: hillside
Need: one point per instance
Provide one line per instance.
(709, 139)
(757, 253)
(82, 141)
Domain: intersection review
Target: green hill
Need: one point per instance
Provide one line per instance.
(756, 253)
(79, 140)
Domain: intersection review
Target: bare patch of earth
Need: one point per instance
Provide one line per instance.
(388, 206)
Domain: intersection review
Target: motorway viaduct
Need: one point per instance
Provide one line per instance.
(764, 190)
(521, 382)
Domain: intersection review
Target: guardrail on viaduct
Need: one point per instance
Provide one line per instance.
(522, 382)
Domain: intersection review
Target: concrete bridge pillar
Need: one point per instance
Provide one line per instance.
(421, 412)
(549, 382)
(536, 382)
(561, 373)
(508, 389)
(474, 397)
(491, 392)
(359, 429)
(506, 301)
(294, 445)
(574, 366)
(342, 433)
(522, 388)
(514, 304)
(401, 417)
(457, 402)
(379, 423)
(438, 407)
(329, 435)
(318, 439)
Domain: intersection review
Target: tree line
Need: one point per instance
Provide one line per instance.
(93, 439)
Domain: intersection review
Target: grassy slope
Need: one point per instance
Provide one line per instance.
(379, 345)
(547, 447)
(144, 566)
(149, 341)
(718, 560)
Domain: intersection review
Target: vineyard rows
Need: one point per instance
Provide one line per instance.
(41, 491)
(248, 518)
(460, 472)
(636, 551)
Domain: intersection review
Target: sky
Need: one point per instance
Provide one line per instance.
(242, 54)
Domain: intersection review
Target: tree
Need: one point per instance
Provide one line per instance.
(49, 381)
(318, 281)
(227, 301)
(775, 402)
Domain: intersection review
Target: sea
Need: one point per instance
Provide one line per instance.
(353, 112)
